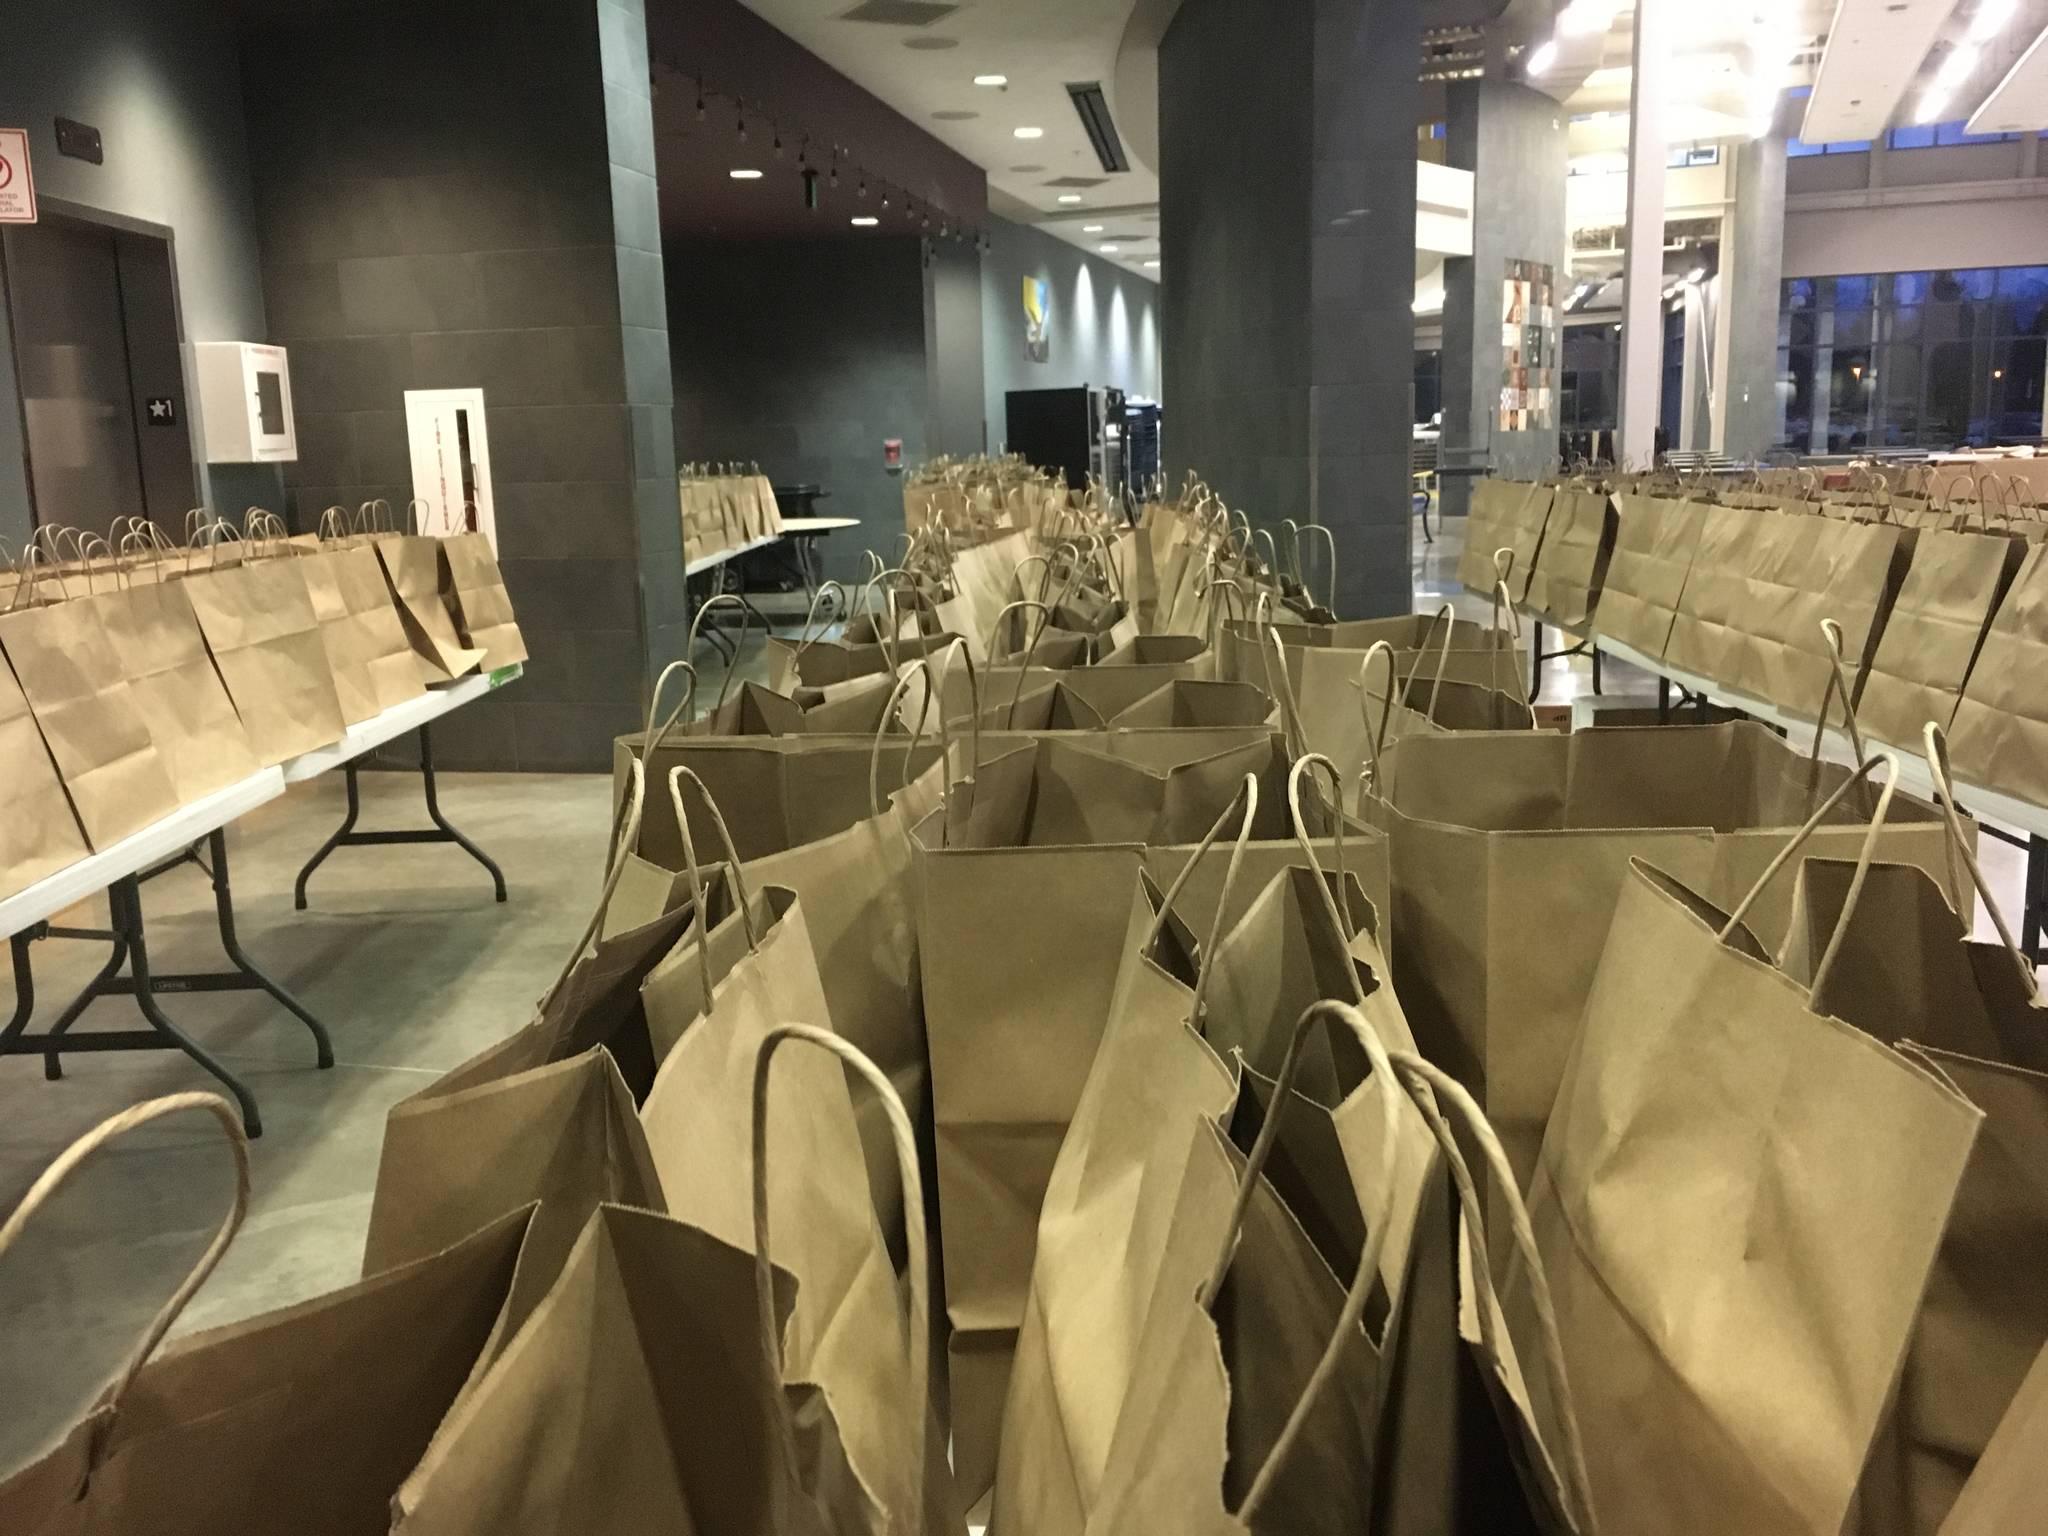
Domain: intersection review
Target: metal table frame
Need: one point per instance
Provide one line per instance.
(122, 869)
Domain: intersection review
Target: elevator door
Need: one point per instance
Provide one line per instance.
(96, 342)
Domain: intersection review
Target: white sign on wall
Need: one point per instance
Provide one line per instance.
(451, 462)
(17, 182)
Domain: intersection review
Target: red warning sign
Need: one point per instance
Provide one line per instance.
(17, 182)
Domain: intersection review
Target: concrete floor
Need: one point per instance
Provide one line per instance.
(413, 968)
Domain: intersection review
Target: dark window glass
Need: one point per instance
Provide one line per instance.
(1898, 396)
(2022, 304)
(1910, 287)
(1902, 323)
(2016, 388)
(1799, 293)
(1855, 292)
(1918, 136)
(1852, 328)
(1951, 375)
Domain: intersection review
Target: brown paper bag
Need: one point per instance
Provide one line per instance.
(483, 608)
(2000, 735)
(343, 639)
(1732, 1369)
(259, 623)
(39, 831)
(304, 1419)
(1505, 514)
(2005, 1494)
(1569, 569)
(659, 1411)
(1105, 1216)
(1510, 851)
(412, 564)
(78, 691)
(1905, 970)
(1205, 705)
(174, 686)
(1654, 541)
(719, 999)
(1934, 632)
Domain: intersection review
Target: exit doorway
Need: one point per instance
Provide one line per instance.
(93, 308)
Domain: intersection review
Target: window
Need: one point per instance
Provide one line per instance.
(1428, 386)
(1912, 359)
(1685, 155)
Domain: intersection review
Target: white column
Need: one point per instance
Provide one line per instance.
(1642, 327)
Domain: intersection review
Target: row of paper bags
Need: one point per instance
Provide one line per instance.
(725, 511)
(135, 684)
(1938, 622)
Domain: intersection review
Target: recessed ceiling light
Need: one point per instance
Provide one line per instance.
(1070, 197)
(1111, 250)
(1154, 264)
(1091, 229)
(1030, 133)
(864, 221)
(746, 175)
(991, 79)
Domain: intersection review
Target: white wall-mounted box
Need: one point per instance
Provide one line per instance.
(245, 402)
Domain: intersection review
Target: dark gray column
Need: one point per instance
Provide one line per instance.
(1512, 139)
(1287, 171)
(953, 347)
(1752, 271)
(481, 213)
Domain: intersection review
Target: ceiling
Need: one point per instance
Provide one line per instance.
(925, 69)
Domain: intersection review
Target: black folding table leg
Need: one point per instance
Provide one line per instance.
(1663, 701)
(224, 909)
(1536, 659)
(117, 956)
(24, 986)
(125, 900)
(1596, 669)
(434, 815)
(341, 835)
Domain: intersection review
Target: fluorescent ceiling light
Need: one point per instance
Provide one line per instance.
(1030, 133)
(1956, 68)
(1153, 264)
(1582, 18)
(1541, 60)
(1933, 107)
(746, 175)
(1110, 250)
(864, 221)
(1091, 229)
(1070, 197)
(991, 79)
(1990, 20)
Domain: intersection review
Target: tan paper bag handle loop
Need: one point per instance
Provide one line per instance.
(722, 600)
(108, 1130)
(918, 1306)
(1425, 1083)
(1447, 617)
(1890, 764)
(1025, 605)
(1351, 1316)
(1503, 605)
(1281, 689)
(1328, 539)
(628, 838)
(957, 648)
(1375, 739)
(701, 926)
(1338, 907)
(1294, 550)
(1936, 742)
(1248, 796)
(650, 738)
(889, 709)
(1838, 687)
(806, 639)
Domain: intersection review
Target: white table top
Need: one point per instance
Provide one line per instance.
(805, 526)
(189, 823)
(712, 562)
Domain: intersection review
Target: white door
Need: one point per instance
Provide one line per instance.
(451, 462)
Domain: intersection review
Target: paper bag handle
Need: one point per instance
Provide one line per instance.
(1838, 687)
(1503, 606)
(957, 648)
(1282, 690)
(1044, 613)
(1376, 740)
(1247, 796)
(1890, 764)
(628, 838)
(918, 1308)
(1352, 1314)
(1936, 742)
(651, 737)
(107, 1130)
(722, 600)
(806, 638)
(889, 712)
(1447, 617)
(1329, 542)
(1424, 1083)
(1338, 907)
(702, 924)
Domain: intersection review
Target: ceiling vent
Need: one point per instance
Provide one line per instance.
(1093, 108)
(901, 13)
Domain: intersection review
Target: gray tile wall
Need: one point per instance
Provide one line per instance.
(1512, 139)
(460, 195)
(1287, 232)
(802, 356)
